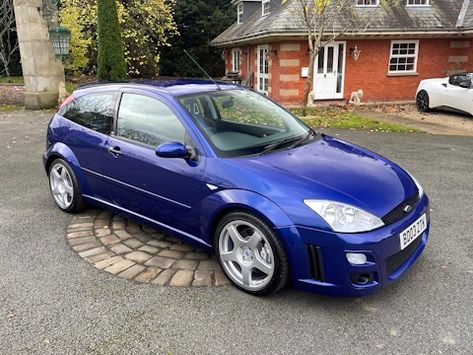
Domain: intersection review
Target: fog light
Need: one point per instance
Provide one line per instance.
(356, 258)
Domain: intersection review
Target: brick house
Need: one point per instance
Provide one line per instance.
(418, 39)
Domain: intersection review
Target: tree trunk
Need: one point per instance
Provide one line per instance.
(308, 83)
(310, 76)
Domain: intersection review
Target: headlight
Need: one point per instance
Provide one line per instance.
(419, 186)
(344, 218)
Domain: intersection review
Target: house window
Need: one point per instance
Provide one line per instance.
(262, 75)
(403, 57)
(418, 2)
(265, 7)
(239, 12)
(367, 2)
(236, 58)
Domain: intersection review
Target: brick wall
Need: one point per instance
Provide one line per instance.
(436, 58)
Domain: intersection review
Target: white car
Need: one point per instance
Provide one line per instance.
(454, 92)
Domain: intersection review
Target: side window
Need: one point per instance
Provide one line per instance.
(94, 111)
(148, 121)
(458, 78)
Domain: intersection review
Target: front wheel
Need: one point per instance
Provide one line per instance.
(64, 187)
(251, 254)
(422, 101)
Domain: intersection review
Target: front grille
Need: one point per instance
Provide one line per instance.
(398, 212)
(395, 261)
(316, 263)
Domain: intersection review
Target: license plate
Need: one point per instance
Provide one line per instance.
(412, 232)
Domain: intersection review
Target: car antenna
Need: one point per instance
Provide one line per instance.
(203, 70)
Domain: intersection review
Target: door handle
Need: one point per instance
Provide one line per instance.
(444, 85)
(115, 150)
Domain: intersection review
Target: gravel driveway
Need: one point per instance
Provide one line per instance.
(52, 301)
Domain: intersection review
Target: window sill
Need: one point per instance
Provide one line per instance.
(403, 74)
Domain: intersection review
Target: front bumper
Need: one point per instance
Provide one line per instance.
(319, 264)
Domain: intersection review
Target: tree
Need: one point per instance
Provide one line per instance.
(111, 60)
(145, 25)
(8, 41)
(71, 15)
(198, 21)
(325, 21)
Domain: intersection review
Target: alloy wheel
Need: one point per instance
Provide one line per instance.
(423, 101)
(61, 185)
(246, 255)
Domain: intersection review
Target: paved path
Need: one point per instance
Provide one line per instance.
(435, 122)
(137, 252)
(53, 301)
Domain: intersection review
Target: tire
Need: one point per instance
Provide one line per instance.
(251, 254)
(64, 187)
(422, 101)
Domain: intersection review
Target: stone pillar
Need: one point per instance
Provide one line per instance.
(42, 72)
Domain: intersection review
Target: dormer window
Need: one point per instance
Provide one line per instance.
(265, 7)
(367, 2)
(418, 2)
(239, 12)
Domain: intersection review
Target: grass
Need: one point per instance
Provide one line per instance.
(11, 80)
(347, 118)
(70, 86)
(9, 108)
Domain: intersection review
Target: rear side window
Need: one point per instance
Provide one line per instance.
(458, 78)
(148, 121)
(94, 111)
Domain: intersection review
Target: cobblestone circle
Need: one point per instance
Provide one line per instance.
(129, 250)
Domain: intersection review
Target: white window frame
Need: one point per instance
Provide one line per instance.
(239, 12)
(265, 7)
(262, 77)
(357, 4)
(236, 59)
(412, 3)
(415, 55)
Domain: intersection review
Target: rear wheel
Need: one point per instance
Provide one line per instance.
(64, 187)
(251, 254)
(422, 101)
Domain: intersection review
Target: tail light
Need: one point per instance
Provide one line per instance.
(66, 101)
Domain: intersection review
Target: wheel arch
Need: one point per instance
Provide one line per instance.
(62, 151)
(216, 206)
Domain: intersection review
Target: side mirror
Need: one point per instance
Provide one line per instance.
(466, 84)
(173, 150)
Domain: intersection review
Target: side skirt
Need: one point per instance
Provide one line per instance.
(151, 222)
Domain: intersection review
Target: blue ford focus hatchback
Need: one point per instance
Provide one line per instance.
(230, 171)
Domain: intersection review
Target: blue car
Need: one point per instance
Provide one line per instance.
(230, 171)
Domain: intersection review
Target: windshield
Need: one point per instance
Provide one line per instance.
(242, 122)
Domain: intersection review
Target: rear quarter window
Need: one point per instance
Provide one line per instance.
(94, 111)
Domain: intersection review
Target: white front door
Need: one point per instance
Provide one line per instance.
(329, 72)
(262, 75)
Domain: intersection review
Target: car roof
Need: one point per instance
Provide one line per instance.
(174, 87)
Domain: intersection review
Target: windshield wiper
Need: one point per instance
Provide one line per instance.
(298, 141)
(303, 140)
(273, 146)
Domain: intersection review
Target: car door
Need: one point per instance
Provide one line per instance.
(91, 118)
(167, 190)
(458, 97)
